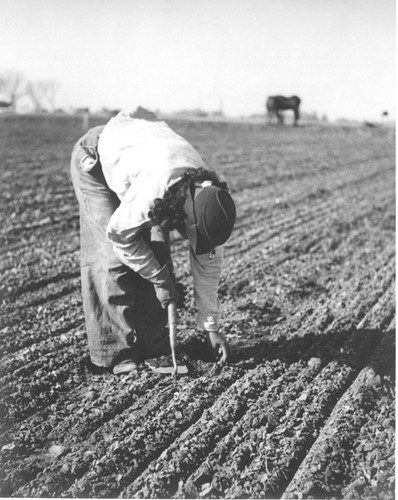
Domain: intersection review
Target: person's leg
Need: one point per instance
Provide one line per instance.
(108, 286)
(150, 319)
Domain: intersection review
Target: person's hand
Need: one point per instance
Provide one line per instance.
(177, 292)
(164, 286)
(220, 346)
(167, 290)
(164, 295)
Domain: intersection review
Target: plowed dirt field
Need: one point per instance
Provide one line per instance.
(305, 409)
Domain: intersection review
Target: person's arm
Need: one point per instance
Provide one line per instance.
(134, 251)
(206, 274)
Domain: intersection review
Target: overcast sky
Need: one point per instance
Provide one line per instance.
(337, 55)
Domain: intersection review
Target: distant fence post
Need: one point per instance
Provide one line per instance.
(86, 119)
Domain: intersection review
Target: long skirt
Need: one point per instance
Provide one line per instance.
(124, 319)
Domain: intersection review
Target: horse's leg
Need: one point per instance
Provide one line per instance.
(296, 116)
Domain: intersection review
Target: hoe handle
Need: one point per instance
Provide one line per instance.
(172, 316)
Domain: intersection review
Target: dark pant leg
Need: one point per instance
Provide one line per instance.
(150, 318)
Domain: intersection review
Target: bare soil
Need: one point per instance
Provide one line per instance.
(306, 408)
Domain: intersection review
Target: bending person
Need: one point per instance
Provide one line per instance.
(135, 180)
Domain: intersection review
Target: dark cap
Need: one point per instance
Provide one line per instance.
(215, 215)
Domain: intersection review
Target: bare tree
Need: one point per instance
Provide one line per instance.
(43, 93)
(12, 86)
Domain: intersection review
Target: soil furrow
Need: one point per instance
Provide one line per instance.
(134, 429)
(249, 209)
(89, 414)
(286, 235)
(40, 323)
(235, 398)
(16, 238)
(65, 270)
(220, 427)
(283, 447)
(383, 311)
(365, 466)
(40, 297)
(273, 463)
(289, 420)
(23, 365)
(339, 311)
(43, 387)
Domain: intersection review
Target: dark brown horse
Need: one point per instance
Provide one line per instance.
(278, 103)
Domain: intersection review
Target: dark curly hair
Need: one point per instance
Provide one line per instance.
(168, 211)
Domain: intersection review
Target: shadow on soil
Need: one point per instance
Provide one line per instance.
(355, 348)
